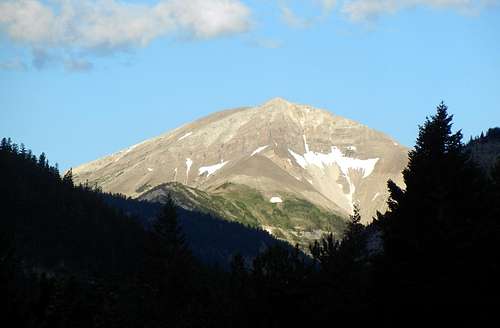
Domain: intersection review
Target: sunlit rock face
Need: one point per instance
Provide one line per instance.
(278, 148)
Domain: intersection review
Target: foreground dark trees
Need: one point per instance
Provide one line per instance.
(68, 259)
(437, 233)
(441, 233)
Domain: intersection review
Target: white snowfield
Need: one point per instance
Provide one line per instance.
(275, 200)
(211, 169)
(150, 169)
(335, 157)
(185, 136)
(258, 150)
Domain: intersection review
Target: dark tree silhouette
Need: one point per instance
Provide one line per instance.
(68, 177)
(69, 256)
(433, 230)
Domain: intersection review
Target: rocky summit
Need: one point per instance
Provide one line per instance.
(294, 170)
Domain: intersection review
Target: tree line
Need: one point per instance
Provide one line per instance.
(435, 249)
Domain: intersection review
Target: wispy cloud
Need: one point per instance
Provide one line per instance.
(72, 32)
(292, 19)
(89, 26)
(327, 5)
(366, 10)
(360, 11)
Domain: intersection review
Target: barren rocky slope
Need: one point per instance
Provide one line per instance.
(279, 150)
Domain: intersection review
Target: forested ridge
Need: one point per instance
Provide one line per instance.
(71, 256)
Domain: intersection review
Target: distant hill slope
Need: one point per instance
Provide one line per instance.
(55, 224)
(485, 149)
(283, 151)
(211, 239)
(291, 220)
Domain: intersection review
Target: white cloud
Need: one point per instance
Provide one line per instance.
(366, 10)
(327, 5)
(292, 19)
(363, 10)
(71, 31)
(113, 25)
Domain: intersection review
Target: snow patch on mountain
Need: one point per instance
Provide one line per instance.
(346, 164)
(276, 200)
(211, 169)
(335, 156)
(305, 143)
(258, 150)
(129, 149)
(189, 163)
(269, 229)
(185, 136)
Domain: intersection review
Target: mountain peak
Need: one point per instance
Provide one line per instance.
(279, 149)
(277, 102)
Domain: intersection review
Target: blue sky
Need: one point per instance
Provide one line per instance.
(82, 79)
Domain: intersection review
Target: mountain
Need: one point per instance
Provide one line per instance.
(54, 224)
(272, 166)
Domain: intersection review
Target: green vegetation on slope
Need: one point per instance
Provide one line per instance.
(295, 220)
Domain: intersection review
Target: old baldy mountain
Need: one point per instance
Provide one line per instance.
(294, 170)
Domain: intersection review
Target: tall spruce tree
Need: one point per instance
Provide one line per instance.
(168, 231)
(169, 269)
(431, 231)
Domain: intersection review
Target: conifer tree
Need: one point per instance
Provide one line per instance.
(3, 144)
(169, 267)
(354, 225)
(22, 151)
(68, 177)
(324, 250)
(167, 230)
(438, 176)
(431, 228)
(42, 160)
